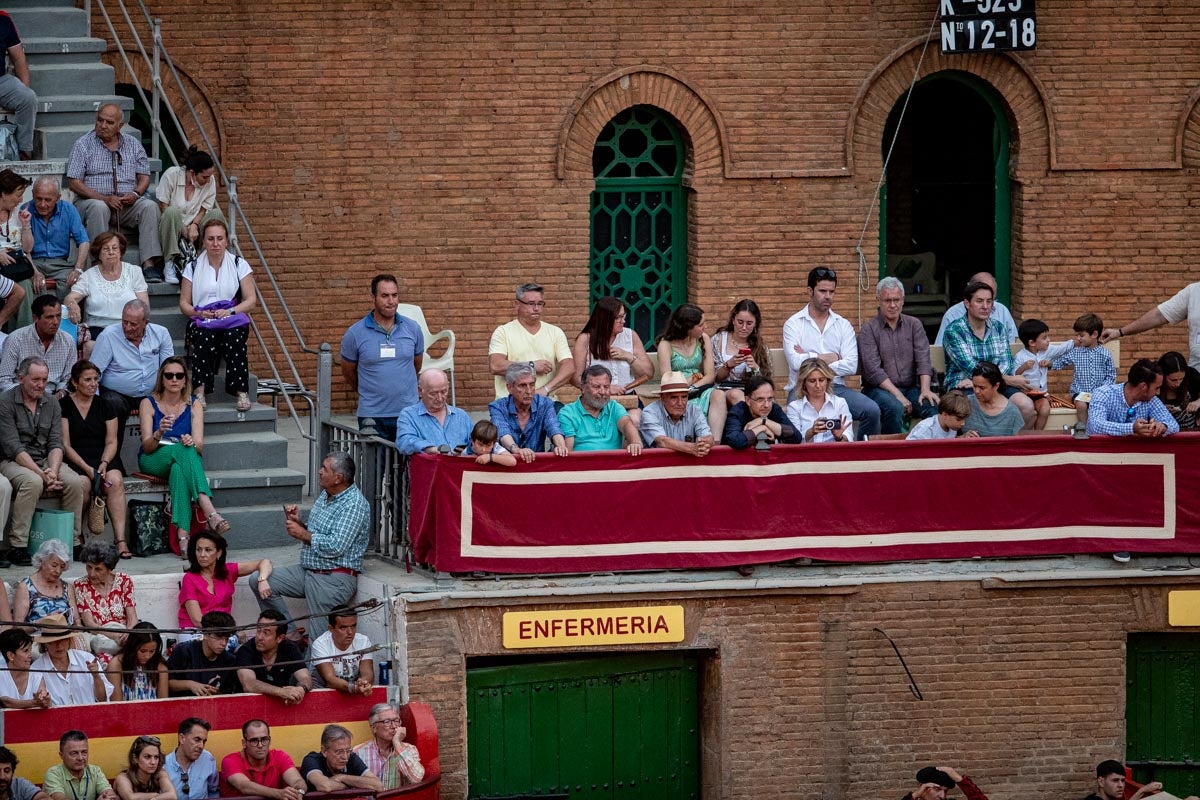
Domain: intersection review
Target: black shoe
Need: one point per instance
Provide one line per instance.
(20, 558)
(77, 552)
(153, 274)
(4, 562)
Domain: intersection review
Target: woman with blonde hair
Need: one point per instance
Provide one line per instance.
(817, 412)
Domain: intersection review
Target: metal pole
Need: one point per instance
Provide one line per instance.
(232, 217)
(324, 401)
(154, 120)
(87, 10)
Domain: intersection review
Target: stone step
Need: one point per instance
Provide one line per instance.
(49, 20)
(56, 141)
(255, 527)
(240, 450)
(248, 487)
(63, 51)
(94, 78)
(11, 4)
(74, 112)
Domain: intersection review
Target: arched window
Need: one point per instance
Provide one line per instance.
(639, 217)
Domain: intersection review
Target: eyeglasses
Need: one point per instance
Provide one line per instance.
(391, 723)
(340, 752)
(174, 376)
(533, 304)
(259, 740)
(824, 274)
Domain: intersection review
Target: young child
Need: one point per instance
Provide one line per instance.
(1093, 363)
(1033, 360)
(953, 411)
(484, 447)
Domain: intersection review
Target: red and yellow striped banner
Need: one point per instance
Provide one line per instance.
(111, 727)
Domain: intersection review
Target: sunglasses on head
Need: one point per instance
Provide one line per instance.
(824, 274)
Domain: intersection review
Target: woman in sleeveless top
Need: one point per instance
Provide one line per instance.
(172, 443)
(45, 592)
(145, 774)
(605, 340)
(685, 347)
(139, 672)
(738, 351)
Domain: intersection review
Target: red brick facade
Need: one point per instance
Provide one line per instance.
(450, 143)
(1023, 684)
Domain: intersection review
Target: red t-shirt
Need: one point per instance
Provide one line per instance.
(269, 775)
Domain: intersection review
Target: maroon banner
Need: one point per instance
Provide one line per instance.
(876, 501)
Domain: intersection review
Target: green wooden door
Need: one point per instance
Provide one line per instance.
(606, 727)
(639, 218)
(1162, 710)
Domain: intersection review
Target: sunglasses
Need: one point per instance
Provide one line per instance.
(154, 740)
(825, 274)
(174, 376)
(183, 780)
(259, 740)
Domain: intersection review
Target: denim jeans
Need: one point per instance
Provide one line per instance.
(891, 412)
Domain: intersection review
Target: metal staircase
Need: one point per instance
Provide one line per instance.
(245, 457)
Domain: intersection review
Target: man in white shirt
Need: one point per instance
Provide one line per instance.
(528, 339)
(1185, 304)
(338, 656)
(816, 331)
(1000, 312)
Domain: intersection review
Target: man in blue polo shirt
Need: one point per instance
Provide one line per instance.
(128, 357)
(381, 357)
(56, 224)
(594, 422)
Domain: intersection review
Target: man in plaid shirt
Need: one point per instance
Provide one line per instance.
(977, 337)
(109, 173)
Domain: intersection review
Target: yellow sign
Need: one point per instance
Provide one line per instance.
(1183, 608)
(588, 627)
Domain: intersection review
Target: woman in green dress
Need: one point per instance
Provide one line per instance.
(685, 347)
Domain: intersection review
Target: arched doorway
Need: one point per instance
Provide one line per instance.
(639, 217)
(945, 210)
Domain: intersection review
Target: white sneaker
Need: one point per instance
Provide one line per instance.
(171, 273)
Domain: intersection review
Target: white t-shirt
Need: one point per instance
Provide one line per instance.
(8, 688)
(930, 428)
(171, 190)
(324, 651)
(1036, 375)
(1186, 305)
(210, 285)
(106, 299)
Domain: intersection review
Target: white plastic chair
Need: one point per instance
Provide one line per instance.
(444, 361)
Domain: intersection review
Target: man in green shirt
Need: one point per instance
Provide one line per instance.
(594, 422)
(74, 778)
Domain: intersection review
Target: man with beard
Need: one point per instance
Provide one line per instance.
(12, 787)
(594, 422)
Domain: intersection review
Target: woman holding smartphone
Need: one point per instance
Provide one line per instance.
(738, 351)
(172, 442)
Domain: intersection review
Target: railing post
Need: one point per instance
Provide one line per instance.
(231, 218)
(87, 9)
(324, 400)
(154, 120)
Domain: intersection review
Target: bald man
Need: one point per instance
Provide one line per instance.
(109, 173)
(1000, 312)
(432, 425)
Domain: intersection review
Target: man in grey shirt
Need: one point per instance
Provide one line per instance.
(32, 451)
(674, 423)
(12, 787)
(893, 354)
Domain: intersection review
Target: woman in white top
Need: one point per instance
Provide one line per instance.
(107, 286)
(605, 340)
(209, 294)
(820, 414)
(739, 352)
(20, 688)
(187, 197)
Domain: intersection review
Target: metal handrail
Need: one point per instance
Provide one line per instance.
(153, 61)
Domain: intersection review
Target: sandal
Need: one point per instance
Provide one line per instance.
(218, 524)
(123, 548)
(243, 402)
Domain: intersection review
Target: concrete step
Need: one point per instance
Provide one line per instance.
(240, 450)
(74, 112)
(245, 487)
(224, 425)
(49, 20)
(94, 78)
(256, 527)
(11, 4)
(56, 141)
(63, 51)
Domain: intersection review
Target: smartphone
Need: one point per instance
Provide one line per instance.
(745, 351)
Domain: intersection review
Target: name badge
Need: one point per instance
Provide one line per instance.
(387, 351)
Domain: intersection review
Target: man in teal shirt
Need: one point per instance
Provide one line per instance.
(594, 422)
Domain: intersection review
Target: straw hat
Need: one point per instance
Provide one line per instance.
(45, 637)
(673, 383)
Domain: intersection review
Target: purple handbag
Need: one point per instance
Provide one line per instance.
(237, 320)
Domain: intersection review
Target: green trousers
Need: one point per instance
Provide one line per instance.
(184, 471)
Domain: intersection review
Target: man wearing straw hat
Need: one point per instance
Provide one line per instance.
(673, 423)
(72, 677)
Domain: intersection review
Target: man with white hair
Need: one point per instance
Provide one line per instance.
(893, 354)
(56, 224)
(432, 425)
(386, 754)
(109, 173)
(31, 447)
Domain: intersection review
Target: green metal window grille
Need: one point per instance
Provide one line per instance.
(607, 728)
(639, 218)
(1162, 710)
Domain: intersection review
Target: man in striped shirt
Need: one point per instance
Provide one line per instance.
(395, 761)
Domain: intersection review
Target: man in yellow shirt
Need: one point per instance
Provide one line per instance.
(528, 339)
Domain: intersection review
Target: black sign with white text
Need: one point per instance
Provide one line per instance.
(977, 26)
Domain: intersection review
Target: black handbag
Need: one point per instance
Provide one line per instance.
(148, 528)
(20, 270)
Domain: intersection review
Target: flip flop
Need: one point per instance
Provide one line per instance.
(123, 549)
(243, 402)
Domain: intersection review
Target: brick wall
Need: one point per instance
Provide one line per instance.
(449, 143)
(1022, 687)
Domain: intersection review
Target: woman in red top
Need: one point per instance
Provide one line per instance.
(208, 582)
